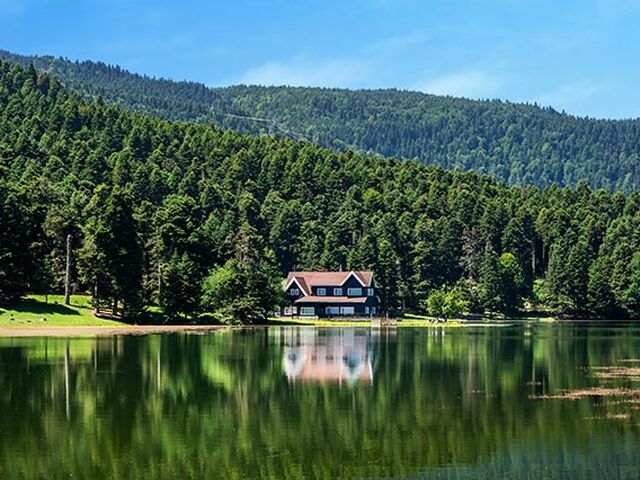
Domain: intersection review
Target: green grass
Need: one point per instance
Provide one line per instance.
(35, 311)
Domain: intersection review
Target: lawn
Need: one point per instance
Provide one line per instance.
(35, 310)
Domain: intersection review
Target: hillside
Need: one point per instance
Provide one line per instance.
(192, 218)
(515, 143)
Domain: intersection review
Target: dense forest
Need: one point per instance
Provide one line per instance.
(515, 143)
(195, 218)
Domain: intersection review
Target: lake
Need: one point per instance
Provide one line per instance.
(524, 401)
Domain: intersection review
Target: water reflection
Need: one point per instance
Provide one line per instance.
(322, 356)
(301, 403)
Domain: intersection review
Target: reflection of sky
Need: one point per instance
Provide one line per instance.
(344, 356)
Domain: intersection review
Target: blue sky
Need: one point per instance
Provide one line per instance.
(582, 56)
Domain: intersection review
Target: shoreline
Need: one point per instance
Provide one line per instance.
(110, 331)
(106, 331)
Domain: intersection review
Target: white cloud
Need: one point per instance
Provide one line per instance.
(472, 84)
(570, 94)
(306, 72)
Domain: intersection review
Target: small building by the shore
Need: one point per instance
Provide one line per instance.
(331, 294)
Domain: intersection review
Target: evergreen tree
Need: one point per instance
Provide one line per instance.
(490, 285)
(600, 297)
(631, 301)
(512, 287)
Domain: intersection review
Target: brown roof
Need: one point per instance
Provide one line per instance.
(330, 299)
(306, 280)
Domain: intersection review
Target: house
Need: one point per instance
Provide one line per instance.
(331, 294)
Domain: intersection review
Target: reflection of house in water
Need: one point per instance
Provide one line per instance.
(344, 356)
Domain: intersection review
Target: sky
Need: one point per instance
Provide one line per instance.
(580, 56)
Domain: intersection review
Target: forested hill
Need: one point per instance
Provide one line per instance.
(515, 143)
(195, 218)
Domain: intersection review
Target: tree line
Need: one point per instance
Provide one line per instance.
(196, 219)
(515, 143)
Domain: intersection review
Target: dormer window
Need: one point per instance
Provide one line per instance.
(294, 292)
(321, 292)
(337, 292)
(354, 292)
(369, 292)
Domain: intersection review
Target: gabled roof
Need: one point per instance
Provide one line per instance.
(300, 281)
(306, 280)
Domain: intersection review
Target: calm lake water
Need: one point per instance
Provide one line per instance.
(502, 402)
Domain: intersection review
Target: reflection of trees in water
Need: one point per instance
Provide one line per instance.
(219, 405)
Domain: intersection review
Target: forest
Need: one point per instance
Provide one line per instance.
(518, 144)
(193, 218)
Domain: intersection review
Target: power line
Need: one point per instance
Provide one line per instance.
(273, 126)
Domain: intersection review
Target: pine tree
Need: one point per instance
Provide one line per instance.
(600, 297)
(490, 285)
(631, 300)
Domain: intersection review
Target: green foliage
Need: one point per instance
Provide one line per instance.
(631, 299)
(491, 281)
(515, 143)
(600, 296)
(154, 207)
(240, 293)
(221, 293)
(112, 255)
(447, 302)
(513, 283)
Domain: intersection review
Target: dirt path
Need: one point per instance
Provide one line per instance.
(105, 331)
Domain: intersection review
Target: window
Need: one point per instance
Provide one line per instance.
(290, 310)
(366, 310)
(307, 311)
(347, 310)
(294, 292)
(337, 292)
(354, 292)
(321, 292)
(332, 310)
(373, 310)
(370, 292)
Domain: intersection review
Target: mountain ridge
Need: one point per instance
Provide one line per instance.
(517, 143)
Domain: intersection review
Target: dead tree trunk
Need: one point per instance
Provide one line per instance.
(67, 274)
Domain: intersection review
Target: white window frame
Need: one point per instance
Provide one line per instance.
(289, 311)
(370, 292)
(307, 311)
(337, 292)
(351, 292)
(321, 292)
(294, 292)
(347, 310)
(332, 310)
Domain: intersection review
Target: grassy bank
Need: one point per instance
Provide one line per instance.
(41, 311)
(38, 311)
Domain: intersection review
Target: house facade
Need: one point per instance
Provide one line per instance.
(331, 294)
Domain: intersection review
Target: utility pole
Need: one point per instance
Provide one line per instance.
(67, 274)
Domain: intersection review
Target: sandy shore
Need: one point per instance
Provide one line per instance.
(105, 331)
